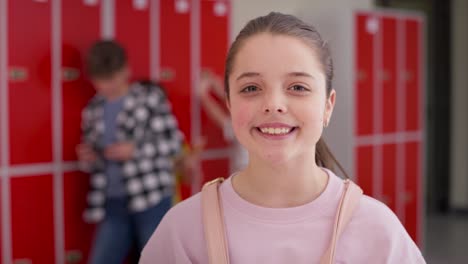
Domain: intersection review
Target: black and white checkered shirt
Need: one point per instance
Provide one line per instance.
(146, 120)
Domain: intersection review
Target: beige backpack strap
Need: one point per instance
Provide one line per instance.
(213, 222)
(348, 202)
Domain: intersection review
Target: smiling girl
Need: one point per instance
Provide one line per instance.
(285, 206)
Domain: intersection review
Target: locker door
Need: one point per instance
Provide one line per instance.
(214, 46)
(365, 31)
(388, 73)
(366, 28)
(76, 90)
(413, 150)
(388, 78)
(365, 168)
(76, 93)
(132, 31)
(175, 59)
(389, 175)
(3, 87)
(412, 74)
(32, 220)
(29, 71)
(215, 168)
(175, 63)
(412, 194)
(78, 234)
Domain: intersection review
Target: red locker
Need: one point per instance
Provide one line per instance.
(78, 234)
(388, 73)
(413, 123)
(412, 74)
(389, 173)
(213, 169)
(30, 102)
(365, 34)
(132, 31)
(29, 68)
(391, 148)
(76, 90)
(32, 218)
(365, 169)
(412, 192)
(175, 59)
(214, 46)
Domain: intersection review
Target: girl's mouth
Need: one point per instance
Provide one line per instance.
(276, 131)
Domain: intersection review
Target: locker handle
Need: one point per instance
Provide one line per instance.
(167, 74)
(407, 76)
(386, 200)
(22, 261)
(73, 256)
(70, 74)
(407, 197)
(18, 74)
(384, 75)
(361, 75)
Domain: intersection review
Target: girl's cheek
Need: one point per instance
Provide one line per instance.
(242, 115)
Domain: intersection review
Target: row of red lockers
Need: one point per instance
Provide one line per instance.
(169, 39)
(389, 112)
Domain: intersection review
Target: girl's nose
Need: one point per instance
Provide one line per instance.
(275, 102)
(279, 109)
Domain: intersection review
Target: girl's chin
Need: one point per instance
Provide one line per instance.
(275, 159)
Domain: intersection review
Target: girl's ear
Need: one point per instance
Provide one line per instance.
(329, 106)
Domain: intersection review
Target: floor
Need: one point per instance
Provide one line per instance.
(446, 239)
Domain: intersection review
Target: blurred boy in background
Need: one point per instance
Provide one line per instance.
(130, 138)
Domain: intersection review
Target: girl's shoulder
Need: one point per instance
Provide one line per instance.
(376, 227)
(179, 237)
(186, 211)
(372, 212)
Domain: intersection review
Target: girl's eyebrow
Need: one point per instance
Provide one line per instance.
(255, 74)
(247, 75)
(300, 74)
(293, 74)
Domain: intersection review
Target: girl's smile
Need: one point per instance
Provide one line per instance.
(276, 131)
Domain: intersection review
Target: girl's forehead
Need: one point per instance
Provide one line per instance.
(267, 52)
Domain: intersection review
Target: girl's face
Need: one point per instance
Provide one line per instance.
(278, 99)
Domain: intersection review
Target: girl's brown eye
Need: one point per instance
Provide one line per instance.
(249, 89)
(298, 87)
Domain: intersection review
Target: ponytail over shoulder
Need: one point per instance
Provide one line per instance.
(325, 158)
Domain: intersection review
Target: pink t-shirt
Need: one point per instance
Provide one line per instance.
(284, 235)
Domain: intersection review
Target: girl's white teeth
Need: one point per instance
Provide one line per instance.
(275, 131)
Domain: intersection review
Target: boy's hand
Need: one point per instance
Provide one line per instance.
(187, 163)
(205, 84)
(210, 81)
(85, 153)
(119, 151)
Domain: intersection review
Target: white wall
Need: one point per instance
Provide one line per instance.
(244, 10)
(459, 129)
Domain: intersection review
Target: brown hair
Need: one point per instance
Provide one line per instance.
(105, 58)
(288, 25)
